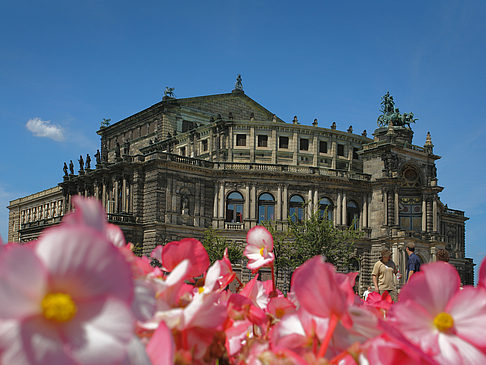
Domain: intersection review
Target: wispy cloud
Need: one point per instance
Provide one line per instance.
(44, 128)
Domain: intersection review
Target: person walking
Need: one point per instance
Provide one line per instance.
(367, 292)
(413, 260)
(383, 275)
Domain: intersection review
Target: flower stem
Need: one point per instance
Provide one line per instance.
(273, 280)
(333, 321)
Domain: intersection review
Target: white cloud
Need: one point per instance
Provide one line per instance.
(44, 128)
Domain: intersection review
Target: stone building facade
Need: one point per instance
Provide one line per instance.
(224, 161)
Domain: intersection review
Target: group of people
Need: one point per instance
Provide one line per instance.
(385, 274)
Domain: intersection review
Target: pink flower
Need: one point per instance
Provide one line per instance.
(318, 290)
(444, 321)
(65, 300)
(188, 248)
(259, 248)
(89, 212)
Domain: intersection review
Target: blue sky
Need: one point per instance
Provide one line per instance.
(64, 66)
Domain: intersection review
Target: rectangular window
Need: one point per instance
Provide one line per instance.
(204, 145)
(340, 150)
(355, 153)
(283, 142)
(322, 147)
(183, 151)
(262, 140)
(241, 139)
(304, 144)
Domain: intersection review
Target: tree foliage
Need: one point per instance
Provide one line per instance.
(318, 236)
(215, 245)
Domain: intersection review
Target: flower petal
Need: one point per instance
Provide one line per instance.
(482, 274)
(416, 324)
(87, 211)
(188, 248)
(259, 236)
(433, 287)
(468, 309)
(31, 342)
(23, 282)
(455, 351)
(84, 264)
(100, 332)
(161, 346)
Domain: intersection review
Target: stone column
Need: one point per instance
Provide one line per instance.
(278, 213)
(397, 221)
(429, 215)
(253, 203)
(285, 210)
(251, 144)
(334, 154)
(365, 211)
(115, 209)
(339, 210)
(215, 205)
(274, 146)
(309, 205)
(424, 214)
(197, 202)
(434, 215)
(315, 149)
(344, 209)
(386, 208)
(124, 195)
(221, 201)
(295, 147)
(315, 204)
(103, 195)
(247, 202)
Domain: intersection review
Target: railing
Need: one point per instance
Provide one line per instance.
(121, 218)
(454, 212)
(234, 226)
(314, 170)
(41, 223)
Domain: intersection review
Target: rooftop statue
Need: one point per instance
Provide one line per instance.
(169, 92)
(238, 84)
(392, 115)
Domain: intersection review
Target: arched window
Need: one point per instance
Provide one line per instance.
(352, 212)
(410, 213)
(234, 207)
(324, 204)
(266, 208)
(296, 208)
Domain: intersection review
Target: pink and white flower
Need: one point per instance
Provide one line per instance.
(65, 300)
(444, 321)
(259, 249)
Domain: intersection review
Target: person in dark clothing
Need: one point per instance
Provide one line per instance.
(413, 260)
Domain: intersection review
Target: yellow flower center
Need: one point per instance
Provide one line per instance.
(443, 322)
(200, 289)
(279, 312)
(261, 250)
(58, 307)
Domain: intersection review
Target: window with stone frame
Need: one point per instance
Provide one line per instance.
(304, 144)
(241, 140)
(322, 147)
(296, 208)
(283, 142)
(182, 151)
(352, 214)
(204, 145)
(325, 204)
(234, 207)
(262, 140)
(340, 149)
(355, 153)
(266, 208)
(410, 213)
